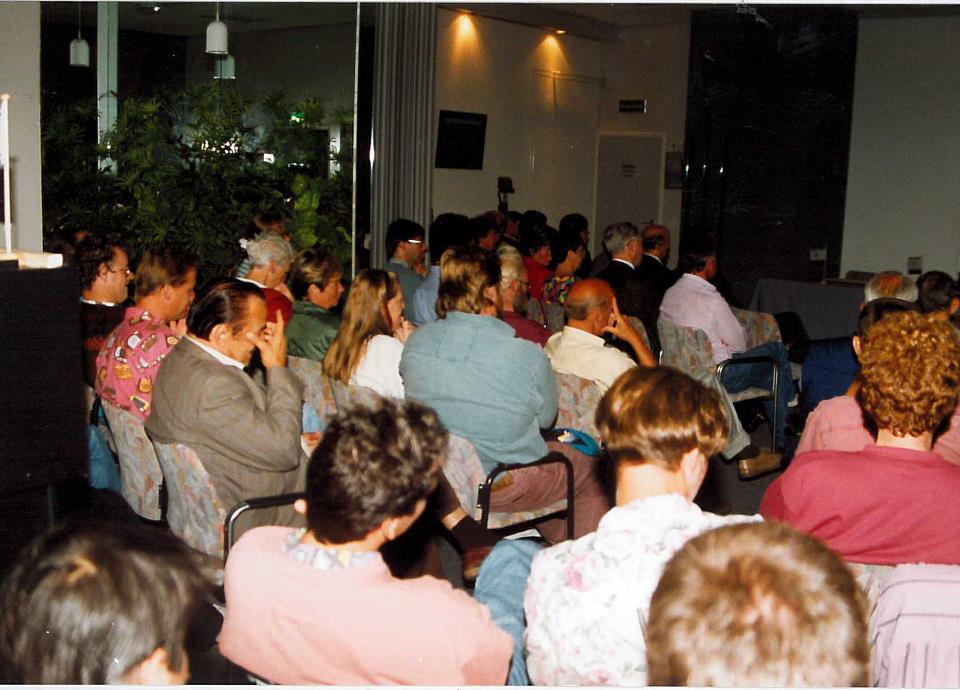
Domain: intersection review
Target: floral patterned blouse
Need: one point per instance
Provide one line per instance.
(587, 600)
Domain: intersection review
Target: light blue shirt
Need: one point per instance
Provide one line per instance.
(425, 298)
(488, 386)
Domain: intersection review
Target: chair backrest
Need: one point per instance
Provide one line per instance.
(140, 475)
(317, 391)
(641, 329)
(194, 511)
(555, 318)
(535, 311)
(760, 327)
(578, 400)
(915, 628)
(686, 349)
(463, 470)
(347, 395)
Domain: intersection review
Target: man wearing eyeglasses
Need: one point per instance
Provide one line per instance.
(406, 247)
(515, 294)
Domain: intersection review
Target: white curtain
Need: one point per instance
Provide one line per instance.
(403, 84)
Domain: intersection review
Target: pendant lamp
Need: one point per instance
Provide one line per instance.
(217, 36)
(79, 49)
(226, 68)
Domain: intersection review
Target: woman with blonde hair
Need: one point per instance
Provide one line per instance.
(367, 348)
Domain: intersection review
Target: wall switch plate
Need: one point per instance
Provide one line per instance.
(818, 254)
(915, 265)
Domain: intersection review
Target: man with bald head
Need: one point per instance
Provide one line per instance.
(579, 349)
(653, 269)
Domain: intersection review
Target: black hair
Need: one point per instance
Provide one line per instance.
(402, 230)
(224, 301)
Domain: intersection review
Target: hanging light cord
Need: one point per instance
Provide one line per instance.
(79, 18)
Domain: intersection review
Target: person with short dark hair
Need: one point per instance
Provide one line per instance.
(586, 600)
(131, 356)
(245, 433)
(535, 248)
(893, 501)
(652, 268)
(577, 224)
(406, 248)
(447, 230)
(485, 230)
(938, 293)
(566, 255)
(318, 606)
(90, 603)
(757, 606)
(316, 284)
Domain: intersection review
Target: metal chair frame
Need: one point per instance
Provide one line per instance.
(230, 523)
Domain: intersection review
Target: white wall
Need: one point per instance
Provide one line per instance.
(20, 77)
(903, 186)
(487, 66)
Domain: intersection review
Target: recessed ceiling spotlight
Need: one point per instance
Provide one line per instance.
(156, 8)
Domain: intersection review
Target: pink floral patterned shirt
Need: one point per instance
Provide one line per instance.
(128, 363)
(587, 600)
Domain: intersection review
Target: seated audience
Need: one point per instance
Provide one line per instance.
(577, 224)
(127, 365)
(695, 303)
(757, 606)
(91, 603)
(406, 247)
(448, 230)
(319, 606)
(262, 222)
(315, 281)
(535, 247)
(367, 349)
(270, 259)
(485, 230)
(580, 349)
(937, 293)
(893, 501)
(586, 600)
(566, 254)
(634, 297)
(838, 423)
(515, 295)
(245, 433)
(495, 390)
(105, 274)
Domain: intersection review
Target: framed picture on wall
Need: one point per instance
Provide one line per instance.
(460, 139)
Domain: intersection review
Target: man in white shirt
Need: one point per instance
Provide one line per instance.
(579, 349)
(695, 303)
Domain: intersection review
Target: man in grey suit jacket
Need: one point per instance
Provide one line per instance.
(247, 435)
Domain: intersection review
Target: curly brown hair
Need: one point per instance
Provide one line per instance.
(910, 373)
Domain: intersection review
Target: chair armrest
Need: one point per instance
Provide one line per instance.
(252, 504)
(745, 360)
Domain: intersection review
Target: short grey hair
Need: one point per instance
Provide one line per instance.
(616, 236)
(267, 247)
(511, 267)
(890, 284)
(508, 250)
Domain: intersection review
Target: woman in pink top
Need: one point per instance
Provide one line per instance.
(318, 606)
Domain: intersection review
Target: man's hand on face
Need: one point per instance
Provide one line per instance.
(272, 344)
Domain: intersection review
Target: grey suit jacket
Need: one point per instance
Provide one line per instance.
(247, 435)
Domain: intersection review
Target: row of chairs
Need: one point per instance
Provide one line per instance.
(195, 513)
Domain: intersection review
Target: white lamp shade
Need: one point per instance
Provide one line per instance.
(217, 38)
(79, 53)
(226, 68)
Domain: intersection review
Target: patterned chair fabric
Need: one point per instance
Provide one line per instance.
(535, 311)
(140, 475)
(641, 329)
(915, 628)
(463, 470)
(194, 511)
(578, 403)
(347, 395)
(555, 318)
(760, 328)
(317, 391)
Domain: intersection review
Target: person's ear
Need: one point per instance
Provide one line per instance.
(313, 292)
(219, 332)
(693, 468)
(155, 670)
(166, 291)
(492, 293)
(954, 305)
(857, 346)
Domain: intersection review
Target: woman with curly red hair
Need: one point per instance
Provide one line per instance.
(894, 501)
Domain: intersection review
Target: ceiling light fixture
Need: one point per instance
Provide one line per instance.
(226, 68)
(217, 36)
(561, 32)
(79, 49)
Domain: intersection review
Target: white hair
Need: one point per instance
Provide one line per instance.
(269, 247)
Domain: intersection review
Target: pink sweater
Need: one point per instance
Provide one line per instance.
(291, 623)
(837, 424)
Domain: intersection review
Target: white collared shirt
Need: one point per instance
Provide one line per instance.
(574, 351)
(624, 261)
(216, 354)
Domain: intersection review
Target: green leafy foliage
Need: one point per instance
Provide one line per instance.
(188, 168)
